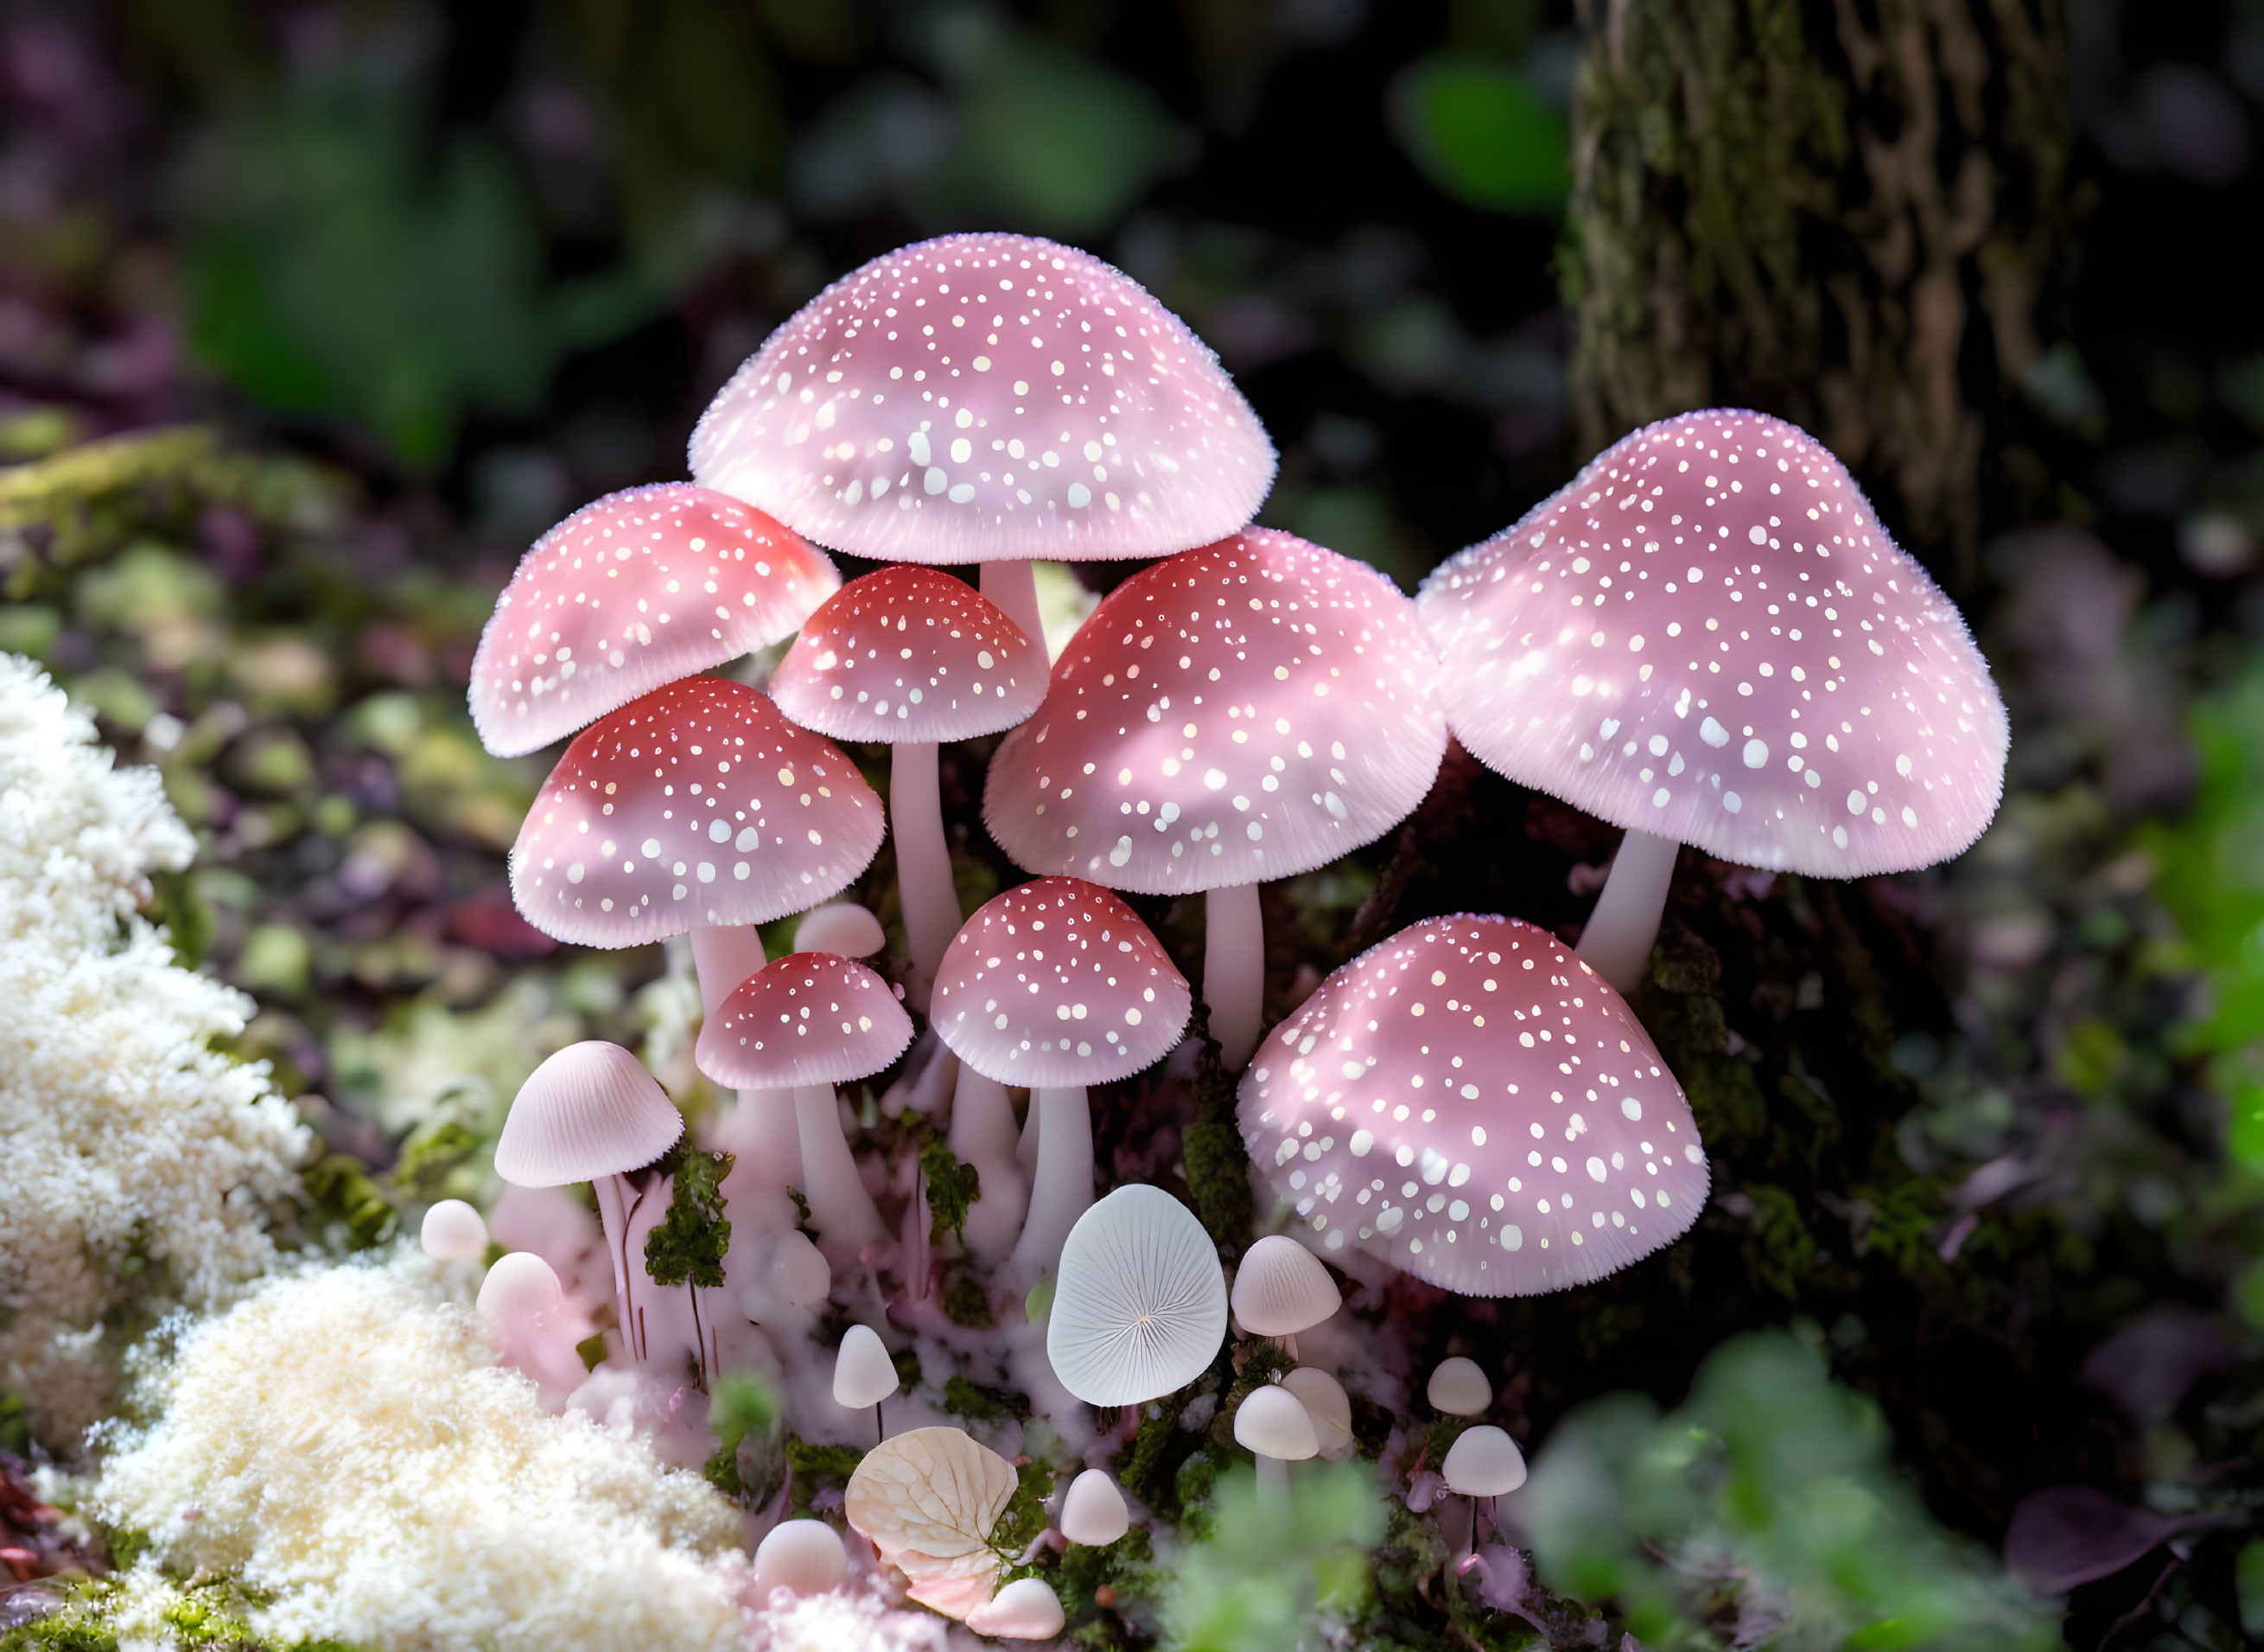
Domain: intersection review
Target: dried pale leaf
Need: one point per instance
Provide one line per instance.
(956, 1597)
(933, 1494)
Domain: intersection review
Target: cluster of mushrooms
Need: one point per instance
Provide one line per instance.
(1706, 638)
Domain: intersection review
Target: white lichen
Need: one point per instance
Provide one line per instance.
(137, 1165)
(342, 1442)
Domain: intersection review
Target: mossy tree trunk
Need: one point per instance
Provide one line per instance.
(1853, 213)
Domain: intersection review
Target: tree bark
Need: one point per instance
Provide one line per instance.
(1856, 214)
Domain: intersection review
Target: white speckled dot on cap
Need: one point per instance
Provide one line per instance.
(908, 654)
(1248, 711)
(1056, 983)
(699, 804)
(637, 589)
(985, 398)
(1707, 636)
(1471, 1102)
(807, 1018)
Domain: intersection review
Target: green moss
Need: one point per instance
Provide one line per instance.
(814, 1469)
(951, 1189)
(432, 1152)
(344, 1196)
(965, 1301)
(965, 1398)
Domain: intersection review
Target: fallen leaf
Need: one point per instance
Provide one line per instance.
(929, 1499)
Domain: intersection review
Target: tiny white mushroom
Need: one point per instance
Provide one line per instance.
(1026, 1609)
(1325, 1401)
(863, 1374)
(1483, 1462)
(1459, 1388)
(454, 1232)
(1273, 1424)
(1093, 1511)
(842, 927)
(806, 1556)
(1281, 1289)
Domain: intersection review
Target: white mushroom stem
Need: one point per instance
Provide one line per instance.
(1234, 971)
(985, 1135)
(1013, 587)
(839, 1207)
(1272, 1481)
(1062, 1189)
(1616, 943)
(760, 1130)
(616, 1199)
(931, 901)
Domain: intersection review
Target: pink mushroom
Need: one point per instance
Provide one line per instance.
(1708, 639)
(1250, 710)
(911, 657)
(637, 589)
(807, 1022)
(1474, 1104)
(988, 398)
(1056, 985)
(592, 1114)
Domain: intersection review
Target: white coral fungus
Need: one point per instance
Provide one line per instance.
(342, 1440)
(134, 1159)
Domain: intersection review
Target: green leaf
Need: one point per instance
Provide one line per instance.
(1482, 134)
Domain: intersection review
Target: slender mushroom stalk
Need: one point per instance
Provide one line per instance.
(806, 1021)
(1013, 587)
(910, 656)
(1708, 638)
(1517, 1179)
(983, 1133)
(1244, 712)
(761, 1130)
(1056, 985)
(592, 1114)
(1616, 942)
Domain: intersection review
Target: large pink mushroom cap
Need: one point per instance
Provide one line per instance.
(806, 1018)
(698, 805)
(909, 655)
(1248, 711)
(1057, 983)
(1709, 637)
(988, 398)
(634, 591)
(1474, 1104)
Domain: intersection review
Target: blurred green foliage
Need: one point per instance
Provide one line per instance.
(1482, 132)
(1268, 1579)
(1765, 1510)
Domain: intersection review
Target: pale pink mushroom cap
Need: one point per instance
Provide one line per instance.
(806, 1018)
(906, 655)
(1710, 637)
(591, 1110)
(1056, 983)
(1471, 1102)
(1248, 711)
(634, 591)
(699, 804)
(988, 398)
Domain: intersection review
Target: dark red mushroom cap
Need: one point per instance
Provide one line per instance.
(699, 804)
(1057, 983)
(1472, 1104)
(634, 591)
(1708, 636)
(986, 398)
(1250, 710)
(910, 653)
(807, 1018)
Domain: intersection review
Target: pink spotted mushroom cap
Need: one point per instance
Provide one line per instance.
(807, 1018)
(1057, 983)
(1708, 636)
(1248, 711)
(1472, 1104)
(988, 398)
(908, 654)
(699, 804)
(634, 591)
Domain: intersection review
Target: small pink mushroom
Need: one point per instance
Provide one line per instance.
(912, 657)
(637, 589)
(988, 398)
(1708, 638)
(1250, 710)
(807, 1022)
(1474, 1104)
(1056, 985)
